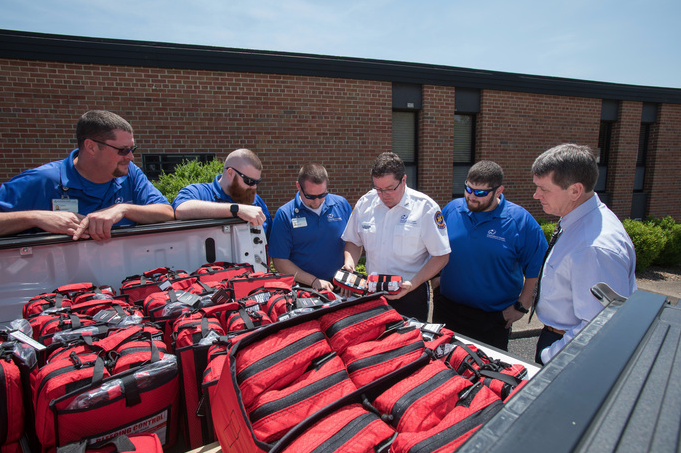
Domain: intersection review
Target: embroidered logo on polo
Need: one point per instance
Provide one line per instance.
(439, 220)
(118, 200)
(405, 219)
(331, 218)
(492, 234)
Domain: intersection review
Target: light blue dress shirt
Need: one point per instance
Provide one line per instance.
(594, 247)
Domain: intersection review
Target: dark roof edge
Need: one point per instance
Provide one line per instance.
(75, 49)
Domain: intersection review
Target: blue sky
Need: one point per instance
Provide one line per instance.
(632, 42)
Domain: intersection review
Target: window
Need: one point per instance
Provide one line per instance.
(405, 143)
(153, 164)
(643, 141)
(464, 151)
(604, 140)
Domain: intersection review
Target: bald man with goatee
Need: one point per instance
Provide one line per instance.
(231, 194)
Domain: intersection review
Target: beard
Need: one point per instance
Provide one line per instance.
(241, 195)
(117, 173)
(480, 206)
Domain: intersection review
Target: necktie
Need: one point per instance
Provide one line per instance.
(554, 237)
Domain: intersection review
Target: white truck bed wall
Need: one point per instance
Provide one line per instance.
(34, 264)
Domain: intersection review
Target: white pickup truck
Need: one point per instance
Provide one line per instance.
(37, 263)
(615, 387)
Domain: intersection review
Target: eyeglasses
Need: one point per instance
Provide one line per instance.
(385, 191)
(313, 197)
(247, 180)
(478, 192)
(121, 151)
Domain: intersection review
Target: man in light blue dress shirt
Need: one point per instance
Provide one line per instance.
(593, 247)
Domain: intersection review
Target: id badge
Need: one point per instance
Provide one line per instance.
(65, 204)
(299, 222)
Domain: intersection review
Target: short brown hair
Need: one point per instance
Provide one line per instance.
(100, 125)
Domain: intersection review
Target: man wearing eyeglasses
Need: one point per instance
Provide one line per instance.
(231, 194)
(402, 232)
(488, 283)
(96, 188)
(306, 231)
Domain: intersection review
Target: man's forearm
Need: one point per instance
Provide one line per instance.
(150, 213)
(430, 270)
(200, 209)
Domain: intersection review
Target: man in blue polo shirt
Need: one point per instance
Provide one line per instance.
(95, 188)
(231, 194)
(497, 252)
(306, 232)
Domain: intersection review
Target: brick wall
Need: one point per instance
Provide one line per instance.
(514, 128)
(436, 142)
(663, 167)
(341, 123)
(286, 120)
(622, 164)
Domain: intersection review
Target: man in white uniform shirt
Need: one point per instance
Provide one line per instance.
(592, 247)
(402, 232)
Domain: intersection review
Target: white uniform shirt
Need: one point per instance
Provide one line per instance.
(401, 240)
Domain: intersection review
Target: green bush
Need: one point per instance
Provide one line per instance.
(548, 228)
(189, 172)
(671, 253)
(361, 265)
(649, 240)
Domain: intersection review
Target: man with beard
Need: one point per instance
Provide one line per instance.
(231, 194)
(498, 250)
(95, 188)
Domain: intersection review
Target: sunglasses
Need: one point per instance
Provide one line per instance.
(247, 180)
(121, 151)
(385, 191)
(312, 197)
(478, 192)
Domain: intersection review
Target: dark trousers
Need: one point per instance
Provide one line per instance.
(546, 339)
(485, 326)
(415, 303)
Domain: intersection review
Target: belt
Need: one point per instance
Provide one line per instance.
(554, 330)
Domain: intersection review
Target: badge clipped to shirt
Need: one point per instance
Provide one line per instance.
(65, 204)
(299, 222)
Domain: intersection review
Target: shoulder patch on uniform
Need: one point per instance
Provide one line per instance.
(439, 220)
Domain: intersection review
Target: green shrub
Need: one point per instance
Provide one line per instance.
(649, 240)
(189, 172)
(361, 265)
(671, 253)
(548, 228)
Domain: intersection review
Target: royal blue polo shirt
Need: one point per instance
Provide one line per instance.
(491, 253)
(35, 189)
(312, 242)
(208, 191)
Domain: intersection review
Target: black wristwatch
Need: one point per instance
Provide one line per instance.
(234, 209)
(518, 306)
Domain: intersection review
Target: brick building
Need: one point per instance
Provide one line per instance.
(197, 101)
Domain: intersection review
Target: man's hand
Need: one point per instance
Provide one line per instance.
(60, 222)
(320, 285)
(251, 214)
(97, 225)
(405, 287)
(511, 315)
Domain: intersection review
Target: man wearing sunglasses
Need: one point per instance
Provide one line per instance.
(498, 250)
(96, 188)
(306, 231)
(402, 232)
(231, 194)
